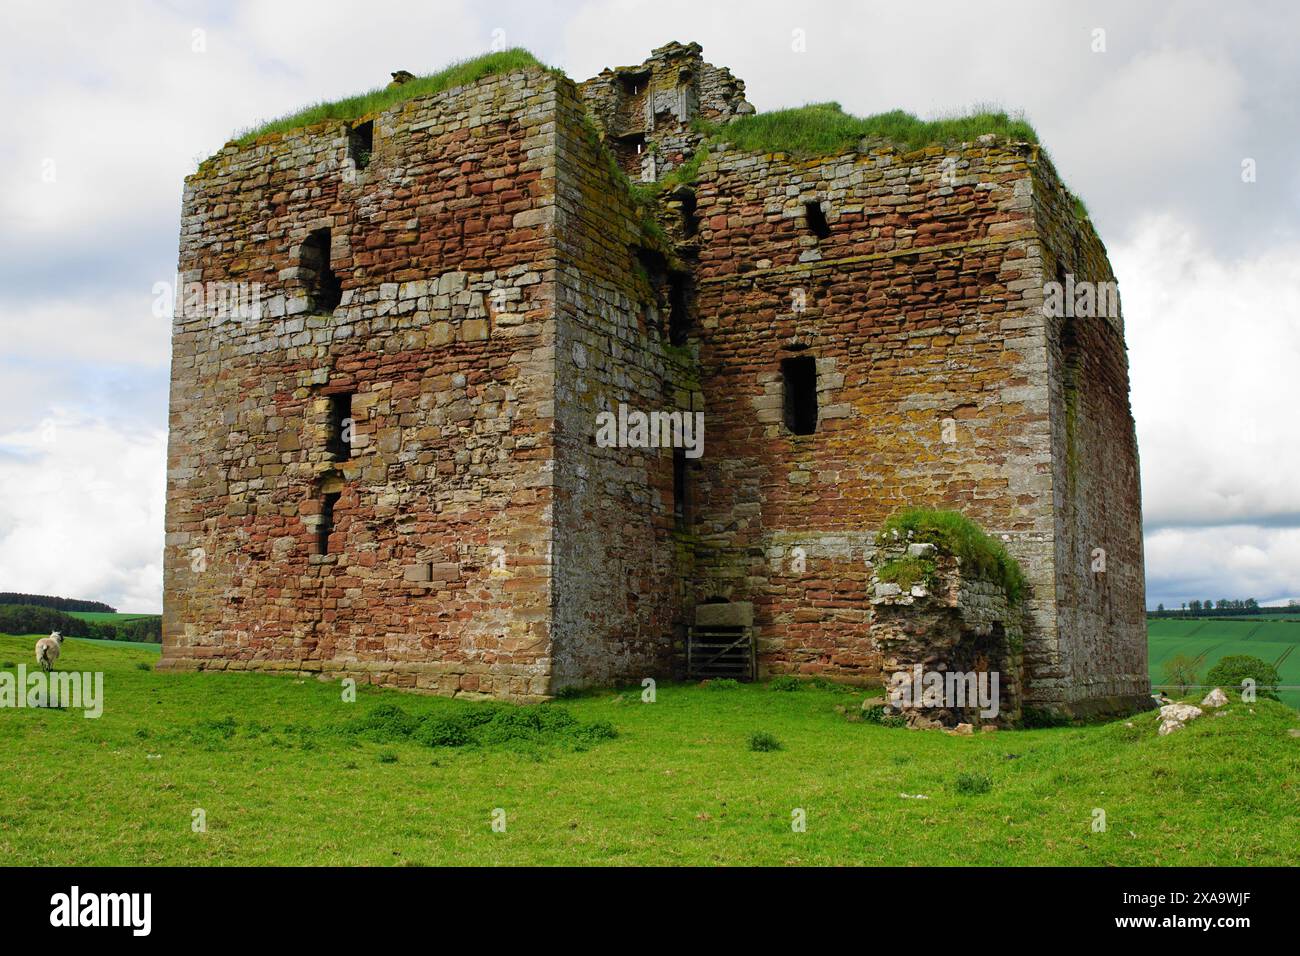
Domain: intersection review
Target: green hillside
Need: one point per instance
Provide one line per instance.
(101, 617)
(1207, 640)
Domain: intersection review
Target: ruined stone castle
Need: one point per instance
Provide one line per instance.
(389, 469)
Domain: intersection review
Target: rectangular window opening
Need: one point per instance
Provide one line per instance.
(341, 425)
(361, 143)
(323, 287)
(627, 151)
(632, 84)
(799, 381)
(326, 527)
(817, 223)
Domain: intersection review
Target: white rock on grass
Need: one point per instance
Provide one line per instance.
(1175, 716)
(1215, 698)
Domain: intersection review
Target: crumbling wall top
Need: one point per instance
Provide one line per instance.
(645, 112)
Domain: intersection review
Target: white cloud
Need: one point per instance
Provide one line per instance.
(1213, 347)
(81, 511)
(1198, 564)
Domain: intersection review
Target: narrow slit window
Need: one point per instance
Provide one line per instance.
(690, 221)
(361, 143)
(326, 527)
(679, 488)
(799, 380)
(341, 426)
(817, 223)
(679, 307)
(323, 286)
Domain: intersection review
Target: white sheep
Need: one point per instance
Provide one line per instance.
(47, 650)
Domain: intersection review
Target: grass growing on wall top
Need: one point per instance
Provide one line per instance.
(824, 129)
(380, 98)
(953, 532)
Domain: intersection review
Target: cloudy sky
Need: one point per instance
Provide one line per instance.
(109, 106)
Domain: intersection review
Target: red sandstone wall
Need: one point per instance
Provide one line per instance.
(916, 310)
(439, 572)
(618, 575)
(1101, 622)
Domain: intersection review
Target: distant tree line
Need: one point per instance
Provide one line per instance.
(1224, 607)
(34, 619)
(58, 603)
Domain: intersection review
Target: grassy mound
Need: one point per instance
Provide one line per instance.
(381, 98)
(954, 533)
(824, 129)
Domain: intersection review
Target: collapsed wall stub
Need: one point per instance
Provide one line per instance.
(946, 641)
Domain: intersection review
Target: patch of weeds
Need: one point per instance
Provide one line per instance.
(387, 756)
(786, 682)
(442, 730)
(143, 666)
(972, 784)
(954, 533)
(762, 742)
(386, 723)
(8, 664)
(875, 714)
(483, 725)
(907, 571)
(893, 720)
(821, 683)
(720, 683)
(899, 760)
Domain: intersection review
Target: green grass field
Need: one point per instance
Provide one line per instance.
(101, 617)
(270, 762)
(1209, 639)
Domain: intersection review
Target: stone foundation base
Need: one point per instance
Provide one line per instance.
(516, 683)
(1093, 708)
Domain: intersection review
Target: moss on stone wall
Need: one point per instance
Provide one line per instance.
(907, 571)
(956, 534)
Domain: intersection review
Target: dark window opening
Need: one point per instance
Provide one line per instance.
(817, 223)
(326, 526)
(339, 444)
(679, 307)
(654, 266)
(679, 488)
(323, 286)
(361, 143)
(799, 378)
(632, 84)
(628, 150)
(690, 221)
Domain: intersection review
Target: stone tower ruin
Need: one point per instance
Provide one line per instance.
(390, 469)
